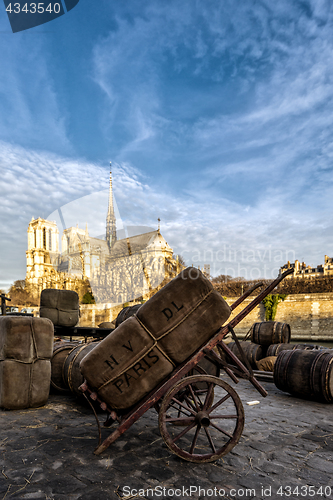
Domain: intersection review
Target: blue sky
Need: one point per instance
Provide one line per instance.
(217, 116)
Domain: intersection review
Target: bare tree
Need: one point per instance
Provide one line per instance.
(20, 295)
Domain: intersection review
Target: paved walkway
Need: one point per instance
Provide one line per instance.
(286, 451)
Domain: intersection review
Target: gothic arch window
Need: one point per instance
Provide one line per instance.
(44, 237)
(50, 240)
(35, 238)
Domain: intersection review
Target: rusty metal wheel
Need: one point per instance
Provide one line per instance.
(212, 429)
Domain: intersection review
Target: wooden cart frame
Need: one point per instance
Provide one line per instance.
(201, 417)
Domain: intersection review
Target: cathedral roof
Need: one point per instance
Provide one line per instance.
(134, 244)
(98, 244)
(125, 246)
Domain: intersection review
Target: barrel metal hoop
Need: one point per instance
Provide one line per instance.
(326, 370)
(69, 377)
(288, 356)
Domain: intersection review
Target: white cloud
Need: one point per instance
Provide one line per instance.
(231, 102)
(228, 235)
(29, 107)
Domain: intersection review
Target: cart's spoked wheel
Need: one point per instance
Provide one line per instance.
(200, 390)
(209, 368)
(209, 430)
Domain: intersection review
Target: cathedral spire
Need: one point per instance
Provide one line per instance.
(111, 233)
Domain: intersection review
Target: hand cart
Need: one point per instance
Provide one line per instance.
(201, 417)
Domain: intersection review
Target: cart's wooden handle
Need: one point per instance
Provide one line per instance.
(245, 295)
(256, 301)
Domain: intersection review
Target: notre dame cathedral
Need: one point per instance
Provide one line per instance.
(118, 270)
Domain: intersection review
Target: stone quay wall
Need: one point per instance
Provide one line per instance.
(94, 314)
(310, 316)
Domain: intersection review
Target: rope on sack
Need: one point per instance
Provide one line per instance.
(31, 361)
(155, 343)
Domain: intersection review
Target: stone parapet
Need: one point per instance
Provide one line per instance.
(310, 316)
(94, 314)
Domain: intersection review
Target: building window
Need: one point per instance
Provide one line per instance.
(44, 237)
(50, 240)
(35, 239)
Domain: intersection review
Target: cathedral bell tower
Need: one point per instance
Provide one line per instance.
(42, 253)
(111, 232)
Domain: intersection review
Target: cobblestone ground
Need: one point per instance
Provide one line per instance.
(286, 451)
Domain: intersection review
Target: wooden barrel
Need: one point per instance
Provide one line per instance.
(253, 352)
(274, 349)
(127, 312)
(208, 366)
(270, 332)
(72, 375)
(308, 374)
(60, 352)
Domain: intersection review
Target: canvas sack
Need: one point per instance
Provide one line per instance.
(60, 306)
(184, 314)
(125, 366)
(26, 346)
(267, 364)
(146, 347)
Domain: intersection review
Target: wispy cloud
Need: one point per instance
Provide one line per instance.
(30, 114)
(219, 115)
(234, 79)
(227, 235)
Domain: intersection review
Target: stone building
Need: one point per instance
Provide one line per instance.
(43, 250)
(301, 270)
(118, 270)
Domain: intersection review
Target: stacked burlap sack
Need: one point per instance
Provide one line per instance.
(60, 306)
(26, 346)
(145, 348)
